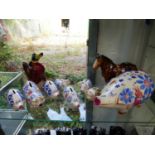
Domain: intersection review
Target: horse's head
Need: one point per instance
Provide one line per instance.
(98, 62)
(101, 60)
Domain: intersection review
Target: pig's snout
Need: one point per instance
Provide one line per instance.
(21, 107)
(78, 105)
(97, 101)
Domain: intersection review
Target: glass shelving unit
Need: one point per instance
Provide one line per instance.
(26, 121)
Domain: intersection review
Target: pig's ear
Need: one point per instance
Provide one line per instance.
(97, 101)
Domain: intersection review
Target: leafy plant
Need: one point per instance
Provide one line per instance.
(5, 54)
(74, 78)
(51, 74)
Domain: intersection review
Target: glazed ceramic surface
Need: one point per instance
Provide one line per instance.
(61, 83)
(92, 93)
(71, 97)
(33, 94)
(51, 89)
(110, 69)
(85, 85)
(15, 99)
(130, 88)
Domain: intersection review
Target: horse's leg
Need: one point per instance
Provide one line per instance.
(125, 109)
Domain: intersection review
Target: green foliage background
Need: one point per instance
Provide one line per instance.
(5, 55)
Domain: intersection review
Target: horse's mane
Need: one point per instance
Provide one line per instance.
(110, 69)
(105, 58)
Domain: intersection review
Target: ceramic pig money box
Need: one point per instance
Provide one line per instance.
(61, 83)
(89, 91)
(92, 93)
(33, 94)
(71, 98)
(15, 99)
(125, 91)
(51, 89)
(85, 85)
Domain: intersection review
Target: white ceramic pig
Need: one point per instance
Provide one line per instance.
(92, 93)
(85, 85)
(33, 94)
(15, 99)
(61, 83)
(51, 89)
(71, 98)
(128, 89)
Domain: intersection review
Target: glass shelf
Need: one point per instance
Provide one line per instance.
(9, 80)
(22, 122)
(27, 126)
(12, 121)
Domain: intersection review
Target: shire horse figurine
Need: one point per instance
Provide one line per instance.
(35, 71)
(110, 69)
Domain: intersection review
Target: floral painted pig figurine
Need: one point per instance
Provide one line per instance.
(51, 89)
(92, 93)
(89, 91)
(33, 94)
(85, 85)
(128, 89)
(16, 99)
(61, 83)
(71, 98)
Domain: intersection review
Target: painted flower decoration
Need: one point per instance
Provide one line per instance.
(58, 83)
(21, 95)
(69, 98)
(47, 89)
(25, 88)
(49, 92)
(66, 91)
(146, 84)
(10, 100)
(117, 86)
(121, 80)
(127, 96)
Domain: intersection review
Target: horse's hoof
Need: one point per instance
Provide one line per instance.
(122, 112)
